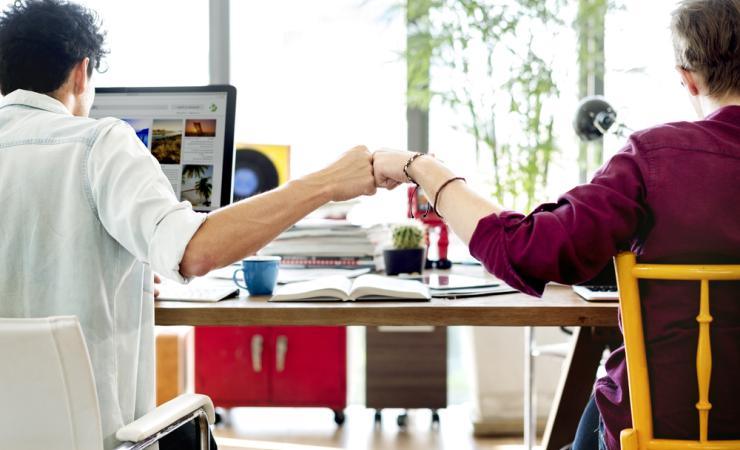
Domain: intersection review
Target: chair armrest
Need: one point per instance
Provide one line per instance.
(164, 415)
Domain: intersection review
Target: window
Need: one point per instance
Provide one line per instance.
(154, 43)
(321, 77)
(641, 81)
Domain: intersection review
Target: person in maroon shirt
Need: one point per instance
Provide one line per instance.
(672, 195)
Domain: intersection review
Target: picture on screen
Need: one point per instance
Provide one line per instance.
(197, 184)
(200, 128)
(142, 128)
(167, 140)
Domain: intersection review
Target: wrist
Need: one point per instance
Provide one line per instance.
(425, 168)
(408, 159)
(316, 185)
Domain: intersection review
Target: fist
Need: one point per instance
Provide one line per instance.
(351, 175)
(388, 167)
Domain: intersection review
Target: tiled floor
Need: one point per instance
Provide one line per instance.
(314, 429)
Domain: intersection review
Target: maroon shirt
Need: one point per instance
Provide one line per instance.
(672, 195)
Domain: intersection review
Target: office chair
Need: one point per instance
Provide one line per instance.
(640, 436)
(48, 395)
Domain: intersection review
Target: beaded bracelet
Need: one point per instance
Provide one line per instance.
(407, 165)
(444, 185)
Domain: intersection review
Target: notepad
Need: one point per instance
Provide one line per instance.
(365, 287)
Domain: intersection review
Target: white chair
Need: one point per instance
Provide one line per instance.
(48, 396)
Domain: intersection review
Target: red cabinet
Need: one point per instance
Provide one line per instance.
(272, 366)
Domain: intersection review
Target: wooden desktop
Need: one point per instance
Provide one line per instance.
(559, 306)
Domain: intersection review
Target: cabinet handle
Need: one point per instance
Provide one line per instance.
(257, 352)
(282, 349)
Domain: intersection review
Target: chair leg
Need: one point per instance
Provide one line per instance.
(204, 431)
(530, 426)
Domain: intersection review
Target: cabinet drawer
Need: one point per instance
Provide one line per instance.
(232, 365)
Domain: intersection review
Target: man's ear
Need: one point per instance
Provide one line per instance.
(80, 76)
(689, 81)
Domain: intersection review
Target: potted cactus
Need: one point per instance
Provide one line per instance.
(408, 253)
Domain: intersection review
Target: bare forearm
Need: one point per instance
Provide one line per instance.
(231, 233)
(234, 232)
(461, 207)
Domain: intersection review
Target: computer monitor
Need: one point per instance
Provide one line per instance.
(189, 130)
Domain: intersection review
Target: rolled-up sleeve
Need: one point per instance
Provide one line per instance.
(135, 202)
(572, 240)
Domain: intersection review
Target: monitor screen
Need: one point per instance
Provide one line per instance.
(189, 130)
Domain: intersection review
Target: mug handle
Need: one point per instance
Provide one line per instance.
(236, 280)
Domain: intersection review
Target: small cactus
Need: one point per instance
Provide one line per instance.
(407, 236)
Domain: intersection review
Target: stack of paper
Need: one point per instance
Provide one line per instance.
(324, 243)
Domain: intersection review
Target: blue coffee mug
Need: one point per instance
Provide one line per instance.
(260, 274)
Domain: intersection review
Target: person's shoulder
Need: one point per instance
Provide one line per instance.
(111, 129)
(682, 135)
(662, 134)
(89, 129)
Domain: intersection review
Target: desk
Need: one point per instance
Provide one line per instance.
(558, 307)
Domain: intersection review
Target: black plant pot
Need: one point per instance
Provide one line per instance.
(403, 261)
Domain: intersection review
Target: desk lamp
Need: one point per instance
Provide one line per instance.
(594, 117)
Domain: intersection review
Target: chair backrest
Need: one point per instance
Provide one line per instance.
(47, 388)
(640, 436)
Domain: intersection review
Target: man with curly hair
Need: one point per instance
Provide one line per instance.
(88, 214)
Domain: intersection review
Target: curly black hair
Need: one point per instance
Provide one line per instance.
(41, 40)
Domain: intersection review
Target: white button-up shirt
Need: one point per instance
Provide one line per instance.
(87, 214)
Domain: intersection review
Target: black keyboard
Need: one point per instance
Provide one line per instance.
(601, 288)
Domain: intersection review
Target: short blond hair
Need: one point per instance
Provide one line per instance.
(706, 39)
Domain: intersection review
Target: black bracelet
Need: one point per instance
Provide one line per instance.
(436, 196)
(407, 165)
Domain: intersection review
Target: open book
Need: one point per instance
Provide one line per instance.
(365, 287)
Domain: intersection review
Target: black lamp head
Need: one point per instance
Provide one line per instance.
(593, 118)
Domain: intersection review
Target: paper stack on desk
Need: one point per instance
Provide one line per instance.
(324, 243)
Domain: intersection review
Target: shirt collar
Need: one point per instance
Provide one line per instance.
(34, 100)
(729, 113)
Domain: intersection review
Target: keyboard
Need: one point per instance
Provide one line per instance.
(185, 293)
(597, 293)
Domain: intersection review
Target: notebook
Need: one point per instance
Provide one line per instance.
(365, 287)
(602, 287)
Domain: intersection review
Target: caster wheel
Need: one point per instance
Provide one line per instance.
(435, 417)
(222, 417)
(339, 418)
(402, 420)
(444, 264)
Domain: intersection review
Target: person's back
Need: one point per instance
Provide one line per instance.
(53, 256)
(61, 254)
(690, 174)
(671, 196)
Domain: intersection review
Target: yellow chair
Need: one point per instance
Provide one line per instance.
(640, 436)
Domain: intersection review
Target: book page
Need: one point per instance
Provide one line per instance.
(376, 286)
(326, 288)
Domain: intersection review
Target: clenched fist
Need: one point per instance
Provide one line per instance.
(351, 175)
(388, 167)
